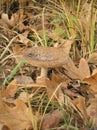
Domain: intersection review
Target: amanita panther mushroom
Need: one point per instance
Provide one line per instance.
(44, 57)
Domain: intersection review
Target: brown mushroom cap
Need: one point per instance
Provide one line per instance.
(44, 56)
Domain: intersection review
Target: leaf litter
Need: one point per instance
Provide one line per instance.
(68, 94)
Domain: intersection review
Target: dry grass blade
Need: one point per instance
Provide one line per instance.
(54, 89)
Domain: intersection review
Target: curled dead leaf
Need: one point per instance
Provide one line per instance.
(92, 81)
(77, 73)
(24, 80)
(66, 45)
(72, 71)
(92, 110)
(54, 87)
(10, 90)
(93, 58)
(80, 105)
(52, 120)
(17, 117)
(10, 22)
(84, 68)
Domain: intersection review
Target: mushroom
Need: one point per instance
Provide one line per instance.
(44, 57)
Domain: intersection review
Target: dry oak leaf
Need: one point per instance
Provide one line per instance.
(54, 87)
(15, 118)
(23, 38)
(52, 120)
(92, 81)
(10, 22)
(84, 68)
(3, 127)
(24, 80)
(24, 96)
(92, 110)
(10, 90)
(93, 58)
(72, 71)
(80, 105)
(66, 45)
(77, 73)
(17, 49)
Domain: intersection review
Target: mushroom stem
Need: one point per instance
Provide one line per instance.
(43, 72)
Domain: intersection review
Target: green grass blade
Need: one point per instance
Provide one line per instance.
(15, 70)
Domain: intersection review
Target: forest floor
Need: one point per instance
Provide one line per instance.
(65, 97)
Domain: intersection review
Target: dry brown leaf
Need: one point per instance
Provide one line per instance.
(72, 71)
(66, 45)
(23, 38)
(94, 71)
(70, 93)
(4, 128)
(5, 19)
(84, 68)
(92, 110)
(77, 73)
(80, 105)
(17, 49)
(1, 126)
(41, 80)
(23, 96)
(10, 90)
(24, 80)
(83, 128)
(52, 120)
(54, 87)
(92, 81)
(10, 22)
(15, 118)
(93, 58)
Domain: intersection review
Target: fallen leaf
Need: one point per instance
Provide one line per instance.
(24, 97)
(24, 80)
(92, 81)
(72, 71)
(23, 38)
(70, 93)
(66, 45)
(93, 58)
(77, 73)
(3, 127)
(10, 90)
(17, 49)
(52, 120)
(92, 110)
(84, 68)
(17, 117)
(54, 87)
(80, 105)
(94, 71)
(10, 22)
